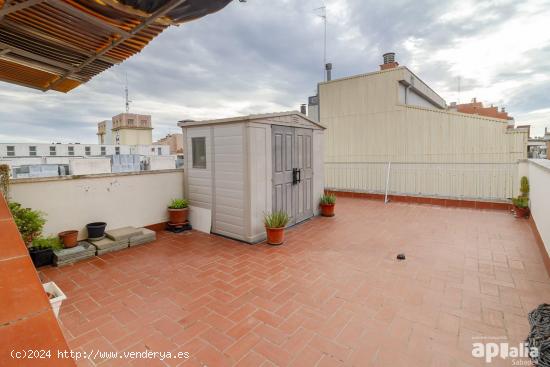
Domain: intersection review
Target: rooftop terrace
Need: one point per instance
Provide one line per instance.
(332, 295)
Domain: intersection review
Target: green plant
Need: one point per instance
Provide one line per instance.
(329, 199)
(5, 180)
(178, 204)
(521, 202)
(42, 243)
(29, 222)
(524, 186)
(276, 219)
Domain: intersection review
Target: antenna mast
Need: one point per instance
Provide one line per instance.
(458, 97)
(324, 17)
(126, 97)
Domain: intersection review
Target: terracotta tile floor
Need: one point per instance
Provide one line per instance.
(333, 295)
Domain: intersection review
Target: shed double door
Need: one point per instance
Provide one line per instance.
(292, 172)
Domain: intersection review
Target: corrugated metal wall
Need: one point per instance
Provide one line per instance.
(434, 152)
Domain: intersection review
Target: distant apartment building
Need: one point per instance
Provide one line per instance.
(174, 141)
(477, 108)
(388, 131)
(126, 129)
(64, 159)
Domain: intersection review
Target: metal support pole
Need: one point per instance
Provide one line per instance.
(387, 182)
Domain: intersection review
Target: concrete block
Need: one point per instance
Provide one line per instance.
(123, 233)
(83, 250)
(146, 236)
(107, 245)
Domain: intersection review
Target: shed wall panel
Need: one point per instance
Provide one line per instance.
(229, 192)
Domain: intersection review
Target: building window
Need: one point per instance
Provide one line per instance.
(11, 151)
(130, 122)
(103, 151)
(71, 150)
(32, 151)
(198, 147)
(117, 150)
(53, 151)
(87, 150)
(159, 151)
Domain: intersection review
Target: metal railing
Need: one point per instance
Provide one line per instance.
(485, 181)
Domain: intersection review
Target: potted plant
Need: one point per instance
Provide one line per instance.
(524, 186)
(275, 224)
(29, 222)
(68, 238)
(178, 211)
(96, 230)
(521, 203)
(327, 205)
(41, 250)
(55, 295)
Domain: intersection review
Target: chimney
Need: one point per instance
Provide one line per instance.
(303, 110)
(328, 68)
(474, 100)
(389, 61)
(503, 109)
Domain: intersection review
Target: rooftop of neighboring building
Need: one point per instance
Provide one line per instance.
(477, 108)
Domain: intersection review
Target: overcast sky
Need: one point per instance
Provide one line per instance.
(267, 56)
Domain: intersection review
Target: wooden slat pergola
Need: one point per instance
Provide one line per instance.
(60, 44)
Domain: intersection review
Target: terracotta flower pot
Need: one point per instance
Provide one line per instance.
(275, 236)
(68, 238)
(521, 212)
(327, 210)
(178, 216)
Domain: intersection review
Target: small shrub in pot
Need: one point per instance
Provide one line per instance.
(178, 211)
(29, 222)
(41, 250)
(327, 205)
(275, 224)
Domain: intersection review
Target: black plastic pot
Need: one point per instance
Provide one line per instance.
(96, 230)
(41, 257)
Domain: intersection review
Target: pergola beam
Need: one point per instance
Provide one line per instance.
(157, 14)
(37, 58)
(8, 9)
(30, 32)
(87, 17)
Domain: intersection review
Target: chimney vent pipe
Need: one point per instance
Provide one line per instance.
(303, 109)
(328, 68)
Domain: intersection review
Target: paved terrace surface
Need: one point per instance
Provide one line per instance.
(332, 295)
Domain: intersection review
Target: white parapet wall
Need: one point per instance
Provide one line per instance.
(161, 162)
(90, 166)
(121, 199)
(538, 172)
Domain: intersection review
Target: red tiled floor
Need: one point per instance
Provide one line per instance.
(332, 295)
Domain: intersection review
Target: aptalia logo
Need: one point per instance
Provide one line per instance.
(503, 350)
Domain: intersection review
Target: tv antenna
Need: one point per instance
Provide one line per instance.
(323, 16)
(126, 97)
(458, 97)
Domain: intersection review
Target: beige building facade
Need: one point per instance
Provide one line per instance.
(126, 129)
(393, 116)
(174, 141)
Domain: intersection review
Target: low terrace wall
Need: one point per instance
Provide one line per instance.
(120, 199)
(538, 171)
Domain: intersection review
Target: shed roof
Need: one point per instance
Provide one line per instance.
(276, 118)
(60, 44)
